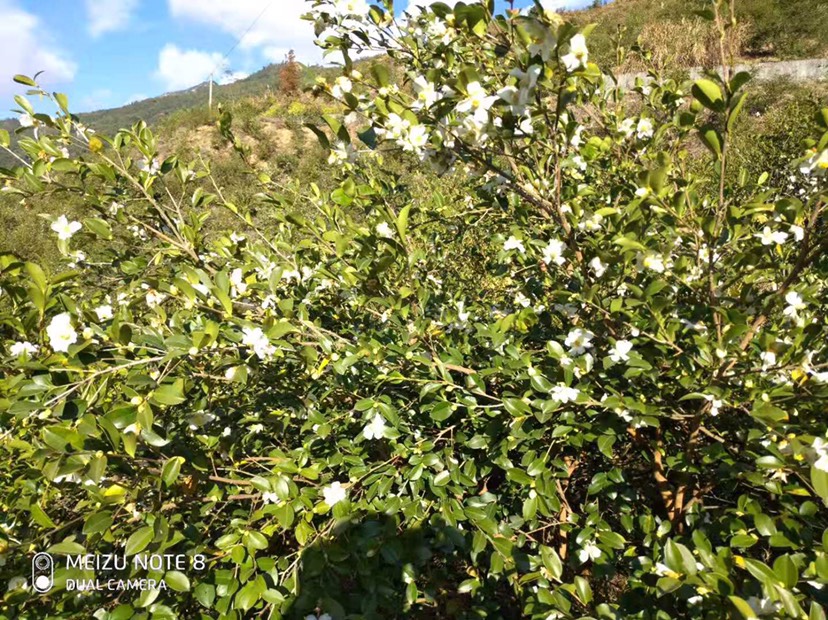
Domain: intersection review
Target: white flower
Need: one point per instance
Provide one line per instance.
(269, 497)
(341, 86)
(427, 95)
(476, 99)
(817, 164)
(26, 120)
(820, 447)
(150, 166)
(256, 339)
(415, 139)
(768, 359)
(522, 300)
(798, 232)
(654, 262)
(61, 333)
(16, 583)
(553, 252)
(237, 282)
(627, 127)
(341, 153)
(770, 237)
(715, 404)
(763, 606)
(598, 268)
(345, 8)
(462, 313)
(226, 432)
(589, 551)
(334, 493)
(621, 351)
(564, 394)
(104, 312)
(642, 192)
(322, 617)
(644, 129)
(22, 348)
(64, 228)
(154, 298)
(795, 304)
(375, 429)
(384, 230)
(579, 340)
(256, 428)
(396, 126)
(513, 243)
(578, 53)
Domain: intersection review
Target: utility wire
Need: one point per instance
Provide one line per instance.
(226, 55)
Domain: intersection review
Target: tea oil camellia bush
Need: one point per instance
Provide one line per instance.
(589, 383)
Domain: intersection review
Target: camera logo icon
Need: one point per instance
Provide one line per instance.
(43, 572)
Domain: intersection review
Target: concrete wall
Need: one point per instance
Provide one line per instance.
(811, 70)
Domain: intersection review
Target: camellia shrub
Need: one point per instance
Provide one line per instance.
(588, 382)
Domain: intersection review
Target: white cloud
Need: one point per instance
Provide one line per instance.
(230, 77)
(109, 15)
(179, 68)
(556, 5)
(279, 28)
(136, 97)
(96, 100)
(415, 3)
(27, 49)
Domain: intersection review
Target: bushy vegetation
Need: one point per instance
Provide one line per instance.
(673, 28)
(523, 356)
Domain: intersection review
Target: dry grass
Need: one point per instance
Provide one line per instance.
(687, 42)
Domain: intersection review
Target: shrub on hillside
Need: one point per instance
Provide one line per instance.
(587, 382)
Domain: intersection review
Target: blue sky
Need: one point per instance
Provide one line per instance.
(106, 53)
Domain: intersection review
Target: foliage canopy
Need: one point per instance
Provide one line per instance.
(587, 380)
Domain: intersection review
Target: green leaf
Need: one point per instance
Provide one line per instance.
(40, 517)
(169, 393)
(786, 571)
(441, 411)
(709, 95)
(5, 139)
(711, 139)
(67, 548)
(739, 80)
(248, 596)
(552, 562)
(583, 590)
(139, 540)
(381, 74)
(177, 581)
(679, 558)
(97, 522)
(735, 110)
(605, 443)
(205, 594)
(819, 479)
(99, 227)
(402, 222)
(764, 524)
(37, 276)
(169, 474)
(25, 80)
(742, 607)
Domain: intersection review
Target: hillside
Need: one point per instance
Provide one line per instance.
(676, 36)
(156, 109)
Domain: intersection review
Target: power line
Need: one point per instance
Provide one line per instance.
(226, 55)
(241, 38)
